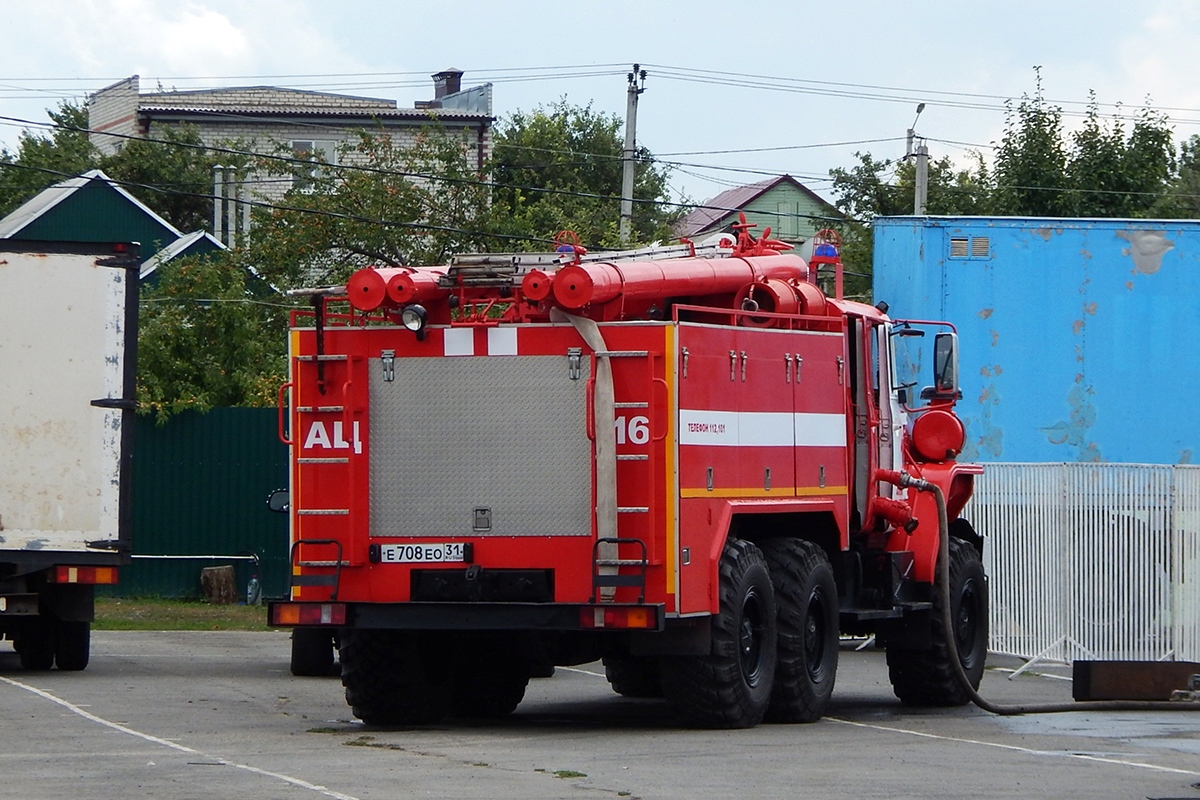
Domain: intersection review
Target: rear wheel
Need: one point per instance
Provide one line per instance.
(731, 686)
(926, 677)
(394, 677)
(312, 652)
(806, 596)
(35, 644)
(633, 676)
(486, 694)
(72, 644)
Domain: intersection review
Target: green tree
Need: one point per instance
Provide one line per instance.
(42, 160)
(559, 167)
(883, 188)
(1031, 160)
(1111, 176)
(403, 205)
(208, 337)
(172, 174)
(1181, 200)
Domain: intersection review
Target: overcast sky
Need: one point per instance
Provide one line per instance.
(735, 91)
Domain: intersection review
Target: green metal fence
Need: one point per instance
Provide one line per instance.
(201, 483)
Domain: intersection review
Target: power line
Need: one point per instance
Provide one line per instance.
(387, 172)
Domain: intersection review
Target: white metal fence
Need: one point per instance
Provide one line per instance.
(1092, 561)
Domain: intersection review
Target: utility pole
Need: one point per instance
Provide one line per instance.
(921, 178)
(625, 227)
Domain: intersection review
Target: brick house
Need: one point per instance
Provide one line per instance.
(310, 122)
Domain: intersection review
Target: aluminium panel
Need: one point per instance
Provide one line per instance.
(450, 436)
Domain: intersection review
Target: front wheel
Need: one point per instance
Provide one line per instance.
(731, 686)
(634, 676)
(312, 652)
(806, 596)
(926, 677)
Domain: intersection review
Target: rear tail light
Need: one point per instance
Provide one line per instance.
(642, 617)
(292, 614)
(101, 575)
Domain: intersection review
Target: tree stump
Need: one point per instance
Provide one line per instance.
(218, 585)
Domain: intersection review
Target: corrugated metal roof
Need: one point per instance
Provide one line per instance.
(177, 248)
(41, 203)
(309, 111)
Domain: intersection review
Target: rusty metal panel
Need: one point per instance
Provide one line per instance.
(1068, 328)
(1131, 680)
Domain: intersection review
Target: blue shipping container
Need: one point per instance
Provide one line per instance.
(1073, 340)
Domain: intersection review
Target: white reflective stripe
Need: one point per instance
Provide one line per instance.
(716, 428)
(764, 429)
(761, 429)
(502, 341)
(820, 430)
(459, 341)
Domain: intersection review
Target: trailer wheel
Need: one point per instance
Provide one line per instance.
(312, 652)
(394, 677)
(631, 676)
(806, 598)
(72, 644)
(731, 686)
(926, 677)
(35, 644)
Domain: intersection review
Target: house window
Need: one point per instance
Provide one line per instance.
(316, 150)
(970, 247)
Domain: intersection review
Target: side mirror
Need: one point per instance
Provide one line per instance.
(279, 500)
(945, 363)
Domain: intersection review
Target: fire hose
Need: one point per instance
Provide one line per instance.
(904, 480)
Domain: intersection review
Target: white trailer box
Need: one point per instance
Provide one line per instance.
(67, 377)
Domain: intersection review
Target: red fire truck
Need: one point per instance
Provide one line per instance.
(690, 462)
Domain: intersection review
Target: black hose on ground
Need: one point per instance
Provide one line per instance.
(956, 662)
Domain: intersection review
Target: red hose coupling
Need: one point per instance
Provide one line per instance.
(896, 512)
(891, 476)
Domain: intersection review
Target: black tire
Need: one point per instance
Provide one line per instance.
(72, 645)
(631, 676)
(926, 677)
(394, 677)
(489, 695)
(35, 644)
(807, 612)
(731, 686)
(312, 652)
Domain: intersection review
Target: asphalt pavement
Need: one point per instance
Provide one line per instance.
(216, 714)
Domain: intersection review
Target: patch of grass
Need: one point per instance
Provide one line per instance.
(158, 614)
(569, 773)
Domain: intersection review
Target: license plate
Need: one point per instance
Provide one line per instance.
(440, 552)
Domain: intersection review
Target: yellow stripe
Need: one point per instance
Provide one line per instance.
(800, 491)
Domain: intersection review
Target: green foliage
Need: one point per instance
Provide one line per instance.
(559, 168)
(205, 341)
(1111, 176)
(414, 205)
(1031, 160)
(171, 174)
(875, 188)
(44, 160)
